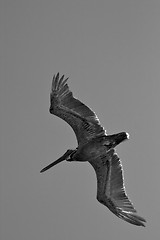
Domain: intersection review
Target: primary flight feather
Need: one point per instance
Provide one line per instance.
(96, 147)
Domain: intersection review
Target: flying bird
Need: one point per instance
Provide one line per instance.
(96, 147)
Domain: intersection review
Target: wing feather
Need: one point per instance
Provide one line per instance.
(81, 118)
(111, 190)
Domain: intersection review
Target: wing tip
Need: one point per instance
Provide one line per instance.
(132, 218)
(58, 82)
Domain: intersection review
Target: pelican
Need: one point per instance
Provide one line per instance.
(96, 147)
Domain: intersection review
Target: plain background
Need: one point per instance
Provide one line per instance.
(111, 52)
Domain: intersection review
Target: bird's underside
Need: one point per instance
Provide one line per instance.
(96, 147)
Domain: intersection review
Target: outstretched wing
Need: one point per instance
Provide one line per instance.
(81, 118)
(111, 189)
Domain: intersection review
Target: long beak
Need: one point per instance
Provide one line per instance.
(64, 157)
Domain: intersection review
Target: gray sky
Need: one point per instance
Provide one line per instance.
(111, 52)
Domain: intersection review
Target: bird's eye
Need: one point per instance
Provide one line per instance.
(108, 144)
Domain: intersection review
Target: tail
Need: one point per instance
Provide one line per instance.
(120, 137)
(112, 141)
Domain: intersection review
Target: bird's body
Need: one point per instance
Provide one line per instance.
(96, 147)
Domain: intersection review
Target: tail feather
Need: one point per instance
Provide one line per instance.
(120, 137)
(111, 141)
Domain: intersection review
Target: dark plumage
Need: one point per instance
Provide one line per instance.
(96, 147)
